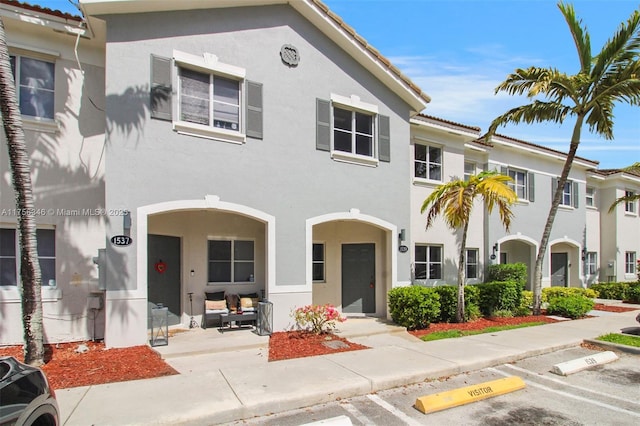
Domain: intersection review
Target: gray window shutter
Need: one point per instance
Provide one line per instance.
(254, 109)
(532, 187)
(504, 171)
(575, 194)
(160, 95)
(554, 186)
(323, 125)
(384, 139)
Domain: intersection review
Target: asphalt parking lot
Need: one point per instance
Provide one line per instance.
(606, 394)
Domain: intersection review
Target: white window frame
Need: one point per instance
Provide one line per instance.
(515, 186)
(16, 258)
(468, 173)
(591, 263)
(232, 260)
(476, 263)
(567, 194)
(427, 162)
(208, 64)
(322, 262)
(355, 105)
(590, 197)
(428, 263)
(46, 124)
(630, 259)
(630, 206)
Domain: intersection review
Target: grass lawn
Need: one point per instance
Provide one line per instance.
(621, 339)
(460, 333)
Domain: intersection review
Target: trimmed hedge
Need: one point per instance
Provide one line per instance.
(449, 302)
(508, 272)
(549, 293)
(575, 306)
(526, 302)
(633, 294)
(414, 307)
(499, 296)
(612, 290)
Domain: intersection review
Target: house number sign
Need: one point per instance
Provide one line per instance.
(289, 55)
(121, 240)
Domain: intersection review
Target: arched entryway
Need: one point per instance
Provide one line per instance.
(519, 249)
(564, 263)
(351, 261)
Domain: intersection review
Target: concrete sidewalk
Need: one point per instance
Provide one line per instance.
(227, 385)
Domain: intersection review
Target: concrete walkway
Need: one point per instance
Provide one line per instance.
(226, 377)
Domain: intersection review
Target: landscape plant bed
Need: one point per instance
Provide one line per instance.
(448, 334)
(482, 323)
(66, 368)
(299, 344)
(611, 308)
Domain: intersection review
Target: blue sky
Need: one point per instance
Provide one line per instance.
(458, 51)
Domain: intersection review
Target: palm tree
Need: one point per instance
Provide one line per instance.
(635, 169)
(30, 278)
(611, 76)
(454, 200)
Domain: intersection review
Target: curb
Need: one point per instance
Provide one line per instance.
(614, 346)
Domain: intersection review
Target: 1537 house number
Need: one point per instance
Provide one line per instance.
(121, 240)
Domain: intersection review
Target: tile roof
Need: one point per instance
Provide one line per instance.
(41, 9)
(447, 123)
(531, 144)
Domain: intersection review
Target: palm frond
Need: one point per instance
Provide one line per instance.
(580, 36)
(536, 112)
(623, 47)
(600, 118)
(625, 199)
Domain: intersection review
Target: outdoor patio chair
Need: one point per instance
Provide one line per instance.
(215, 304)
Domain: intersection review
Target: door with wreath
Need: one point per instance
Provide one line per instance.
(163, 274)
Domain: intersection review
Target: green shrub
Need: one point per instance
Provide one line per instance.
(633, 295)
(499, 296)
(449, 302)
(575, 306)
(549, 293)
(414, 307)
(508, 272)
(502, 313)
(526, 301)
(611, 290)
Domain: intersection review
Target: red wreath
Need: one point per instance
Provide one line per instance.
(160, 267)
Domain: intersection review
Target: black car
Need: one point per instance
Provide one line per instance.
(25, 395)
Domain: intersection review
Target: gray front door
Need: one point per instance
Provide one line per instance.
(163, 274)
(359, 278)
(559, 269)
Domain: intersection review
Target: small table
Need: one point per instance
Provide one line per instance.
(250, 317)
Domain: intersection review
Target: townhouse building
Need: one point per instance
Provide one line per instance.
(256, 147)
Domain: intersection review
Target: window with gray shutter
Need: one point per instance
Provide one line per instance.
(254, 109)
(575, 195)
(160, 96)
(384, 139)
(323, 125)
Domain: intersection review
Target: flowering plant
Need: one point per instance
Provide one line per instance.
(317, 319)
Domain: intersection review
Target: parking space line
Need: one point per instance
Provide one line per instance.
(359, 415)
(569, 395)
(513, 367)
(393, 410)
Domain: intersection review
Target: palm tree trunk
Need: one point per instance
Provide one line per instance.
(542, 250)
(30, 278)
(460, 317)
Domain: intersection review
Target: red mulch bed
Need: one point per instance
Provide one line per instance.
(66, 368)
(298, 344)
(481, 323)
(610, 308)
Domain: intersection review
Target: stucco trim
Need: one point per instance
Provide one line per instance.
(354, 215)
(519, 237)
(210, 202)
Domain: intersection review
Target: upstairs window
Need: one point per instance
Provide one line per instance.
(204, 97)
(35, 84)
(209, 100)
(590, 199)
(428, 162)
(352, 131)
(523, 183)
(570, 193)
(469, 170)
(630, 205)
